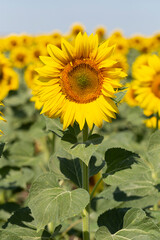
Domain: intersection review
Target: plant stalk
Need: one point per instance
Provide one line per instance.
(85, 185)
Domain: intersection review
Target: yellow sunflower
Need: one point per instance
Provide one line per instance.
(12, 41)
(122, 46)
(20, 57)
(76, 28)
(136, 42)
(37, 50)
(101, 32)
(147, 87)
(78, 82)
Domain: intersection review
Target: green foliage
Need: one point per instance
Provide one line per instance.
(21, 226)
(54, 125)
(51, 203)
(1, 148)
(118, 159)
(126, 155)
(81, 150)
(135, 225)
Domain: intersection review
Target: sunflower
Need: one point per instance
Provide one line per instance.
(78, 82)
(37, 50)
(101, 32)
(76, 28)
(1, 118)
(122, 46)
(20, 57)
(12, 41)
(147, 87)
(136, 42)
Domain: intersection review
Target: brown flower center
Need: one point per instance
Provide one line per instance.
(20, 57)
(81, 81)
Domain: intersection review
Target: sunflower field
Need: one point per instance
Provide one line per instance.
(79, 136)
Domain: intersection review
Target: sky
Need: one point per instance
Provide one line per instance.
(45, 16)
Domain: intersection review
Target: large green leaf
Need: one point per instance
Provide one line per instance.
(137, 186)
(65, 166)
(51, 203)
(118, 159)
(83, 151)
(136, 225)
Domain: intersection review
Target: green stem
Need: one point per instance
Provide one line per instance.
(157, 120)
(85, 185)
(95, 187)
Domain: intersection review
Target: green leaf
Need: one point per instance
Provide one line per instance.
(64, 166)
(112, 219)
(138, 186)
(1, 148)
(119, 96)
(21, 226)
(50, 203)
(17, 99)
(83, 151)
(10, 178)
(136, 225)
(144, 178)
(118, 159)
(54, 125)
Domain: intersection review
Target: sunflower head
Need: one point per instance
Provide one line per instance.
(101, 32)
(147, 87)
(20, 57)
(78, 82)
(77, 28)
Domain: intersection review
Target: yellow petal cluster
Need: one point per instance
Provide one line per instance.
(147, 85)
(8, 77)
(77, 83)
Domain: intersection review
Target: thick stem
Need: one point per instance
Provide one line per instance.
(85, 185)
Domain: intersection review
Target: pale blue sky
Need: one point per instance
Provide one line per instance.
(44, 16)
